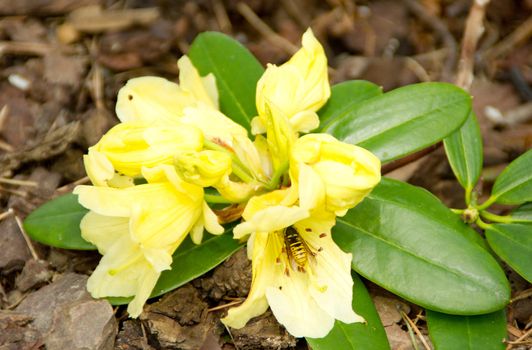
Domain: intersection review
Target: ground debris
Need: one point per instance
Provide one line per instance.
(263, 332)
(180, 320)
(67, 317)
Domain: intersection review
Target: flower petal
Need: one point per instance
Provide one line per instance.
(332, 269)
(270, 219)
(296, 309)
(266, 249)
(202, 89)
(152, 99)
(103, 231)
(300, 85)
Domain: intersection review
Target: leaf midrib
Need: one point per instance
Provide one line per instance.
(394, 126)
(393, 244)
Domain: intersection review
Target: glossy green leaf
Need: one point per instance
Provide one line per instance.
(404, 120)
(356, 336)
(236, 70)
(464, 151)
(523, 213)
(483, 332)
(191, 261)
(344, 97)
(514, 184)
(405, 240)
(513, 244)
(56, 223)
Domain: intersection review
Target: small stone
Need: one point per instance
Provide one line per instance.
(16, 331)
(84, 324)
(41, 304)
(35, 274)
(14, 250)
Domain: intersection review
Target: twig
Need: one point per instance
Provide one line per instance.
(265, 29)
(413, 326)
(24, 48)
(519, 35)
(70, 186)
(523, 295)
(472, 33)
(25, 236)
(5, 214)
(224, 306)
(519, 340)
(6, 146)
(221, 16)
(18, 182)
(441, 29)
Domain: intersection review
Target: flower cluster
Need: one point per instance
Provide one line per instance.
(150, 172)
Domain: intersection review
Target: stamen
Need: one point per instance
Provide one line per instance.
(323, 235)
(308, 229)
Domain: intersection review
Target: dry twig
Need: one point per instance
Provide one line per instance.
(519, 35)
(473, 31)
(25, 236)
(441, 30)
(265, 29)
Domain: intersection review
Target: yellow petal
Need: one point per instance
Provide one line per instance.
(152, 99)
(202, 89)
(211, 221)
(332, 269)
(270, 219)
(295, 308)
(127, 147)
(299, 86)
(348, 172)
(204, 168)
(103, 231)
(266, 249)
(214, 124)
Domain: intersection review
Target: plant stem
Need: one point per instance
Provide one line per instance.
(496, 218)
(482, 224)
(213, 198)
(487, 203)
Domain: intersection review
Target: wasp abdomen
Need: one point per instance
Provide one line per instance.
(296, 247)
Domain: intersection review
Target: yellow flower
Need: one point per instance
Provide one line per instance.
(138, 228)
(296, 89)
(154, 98)
(129, 146)
(348, 172)
(297, 269)
(205, 168)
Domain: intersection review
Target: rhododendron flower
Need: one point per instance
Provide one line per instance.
(138, 228)
(297, 269)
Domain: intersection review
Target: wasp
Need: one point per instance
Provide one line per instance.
(297, 249)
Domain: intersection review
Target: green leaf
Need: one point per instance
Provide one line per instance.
(523, 213)
(344, 97)
(464, 151)
(485, 332)
(513, 244)
(190, 261)
(514, 184)
(405, 240)
(56, 223)
(404, 120)
(236, 70)
(356, 336)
